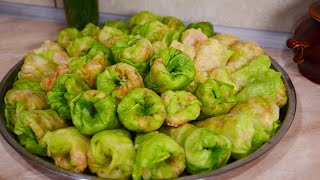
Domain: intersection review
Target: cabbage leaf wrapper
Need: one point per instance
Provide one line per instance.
(189, 50)
(244, 53)
(141, 110)
(181, 107)
(173, 23)
(64, 90)
(211, 54)
(81, 46)
(68, 148)
(204, 150)
(31, 126)
(109, 35)
(158, 157)
(37, 66)
(93, 111)
(118, 24)
(26, 94)
(193, 37)
(87, 68)
(135, 51)
(248, 125)
(156, 31)
(119, 79)
(67, 35)
(216, 98)
(226, 39)
(91, 30)
(111, 154)
(266, 118)
(258, 79)
(141, 18)
(171, 69)
(205, 26)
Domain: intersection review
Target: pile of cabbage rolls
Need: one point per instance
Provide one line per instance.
(147, 99)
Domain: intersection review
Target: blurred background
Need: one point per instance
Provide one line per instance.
(270, 15)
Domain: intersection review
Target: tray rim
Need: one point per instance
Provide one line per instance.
(45, 165)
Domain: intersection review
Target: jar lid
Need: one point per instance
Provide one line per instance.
(314, 11)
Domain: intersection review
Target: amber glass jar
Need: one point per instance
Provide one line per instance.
(306, 44)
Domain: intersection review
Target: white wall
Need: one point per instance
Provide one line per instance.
(274, 15)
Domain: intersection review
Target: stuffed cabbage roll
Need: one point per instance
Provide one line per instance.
(111, 154)
(257, 79)
(81, 46)
(158, 157)
(205, 26)
(189, 50)
(216, 98)
(204, 150)
(249, 125)
(109, 35)
(31, 126)
(141, 18)
(181, 107)
(141, 110)
(91, 30)
(170, 69)
(118, 24)
(226, 39)
(68, 148)
(244, 52)
(119, 79)
(210, 55)
(25, 95)
(64, 90)
(173, 23)
(66, 36)
(87, 68)
(37, 66)
(93, 111)
(152, 30)
(193, 37)
(135, 51)
(158, 46)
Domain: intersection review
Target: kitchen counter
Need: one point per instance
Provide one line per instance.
(296, 156)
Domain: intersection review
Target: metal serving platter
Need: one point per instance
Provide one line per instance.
(286, 117)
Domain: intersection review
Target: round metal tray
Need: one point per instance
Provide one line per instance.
(286, 117)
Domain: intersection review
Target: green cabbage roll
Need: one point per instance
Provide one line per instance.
(135, 51)
(66, 36)
(158, 157)
(91, 30)
(141, 110)
(216, 98)
(31, 126)
(93, 111)
(111, 154)
(244, 52)
(118, 24)
(249, 125)
(64, 90)
(68, 148)
(26, 94)
(181, 107)
(204, 150)
(205, 26)
(170, 69)
(109, 35)
(119, 79)
(87, 68)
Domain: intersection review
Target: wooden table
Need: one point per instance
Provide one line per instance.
(296, 156)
